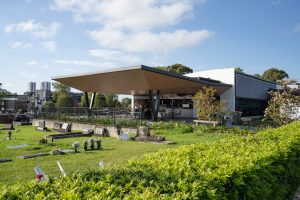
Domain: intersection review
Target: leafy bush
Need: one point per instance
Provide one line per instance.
(202, 129)
(260, 166)
(179, 127)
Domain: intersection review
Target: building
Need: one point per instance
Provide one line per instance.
(44, 93)
(16, 103)
(166, 93)
(45, 85)
(31, 87)
(248, 93)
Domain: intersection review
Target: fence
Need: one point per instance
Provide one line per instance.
(107, 115)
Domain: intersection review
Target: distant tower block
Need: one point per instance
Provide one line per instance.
(32, 87)
(45, 85)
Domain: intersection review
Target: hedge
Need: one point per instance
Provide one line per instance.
(261, 166)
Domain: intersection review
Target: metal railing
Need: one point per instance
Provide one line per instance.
(103, 115)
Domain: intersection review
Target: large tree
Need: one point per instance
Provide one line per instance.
(176, 68)
(274, 74)
(284, 105)
(58, 90)
(64, 100)
(207, 105)
(3, 92)
(238, 69)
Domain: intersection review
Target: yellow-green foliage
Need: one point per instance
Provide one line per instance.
(260, 166)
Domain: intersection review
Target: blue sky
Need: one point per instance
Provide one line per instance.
(40, 39)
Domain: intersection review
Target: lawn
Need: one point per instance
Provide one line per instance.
(113, 152)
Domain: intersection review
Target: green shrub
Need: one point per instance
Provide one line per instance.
(178, 127)
(260, 166)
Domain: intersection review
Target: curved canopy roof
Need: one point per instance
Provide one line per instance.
(138, 80)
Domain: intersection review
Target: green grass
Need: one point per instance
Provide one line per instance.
(113, 152)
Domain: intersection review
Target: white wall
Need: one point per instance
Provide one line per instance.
(225, 75)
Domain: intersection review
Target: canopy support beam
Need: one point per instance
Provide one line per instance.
(154, 104)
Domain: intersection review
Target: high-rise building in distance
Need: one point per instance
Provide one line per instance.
(45, 85)
(31, 87)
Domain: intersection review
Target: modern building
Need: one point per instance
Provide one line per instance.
(166, 93)
(248, 93)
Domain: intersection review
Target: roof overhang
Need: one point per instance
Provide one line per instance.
(138, 80)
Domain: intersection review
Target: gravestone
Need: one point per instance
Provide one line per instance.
(57, 126)
(5, 160)
(65, 127)
(143, 131)
(101, 131)
(41, 126)
(9, 126)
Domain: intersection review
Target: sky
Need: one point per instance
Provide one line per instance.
(40, 39)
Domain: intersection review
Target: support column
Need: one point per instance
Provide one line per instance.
(87, 103)
(154, 104)
(92, 101)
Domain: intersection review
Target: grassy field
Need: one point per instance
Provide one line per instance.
(113, 152)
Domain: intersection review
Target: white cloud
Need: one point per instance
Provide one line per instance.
(38, 30)
(130, 25)
(24, 45)
(32, 62)
(115, 56)
(146, 41)
(84, 63)
(27, 74)
(50, 46)
(129, 14)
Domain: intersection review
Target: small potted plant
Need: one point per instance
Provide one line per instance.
(76, 146)
(85, 145)
(98, 144)
(92, 143)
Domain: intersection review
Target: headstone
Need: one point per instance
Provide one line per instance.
(101, 131)
(65, 127)
(9, 126)
(42, 124)
(124, 136)
(143, 131)
(57, 126)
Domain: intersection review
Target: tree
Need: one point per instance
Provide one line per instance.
(238, 69)
(207, 104)
(283, 107)
(50, 106)
(126, 102)
(180, 69)
(274, 74)
(176, 68)
(257, 75)
(102, 100)
(3, 92)
(59, 89)
(64, 100)
(111, 100)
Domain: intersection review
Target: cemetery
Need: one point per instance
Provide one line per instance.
(28, 146)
